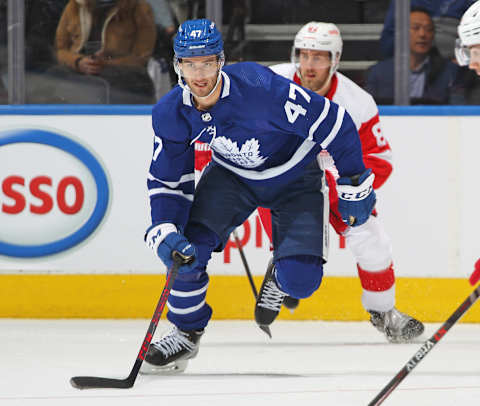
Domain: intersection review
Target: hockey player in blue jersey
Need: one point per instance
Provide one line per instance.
(265, 133)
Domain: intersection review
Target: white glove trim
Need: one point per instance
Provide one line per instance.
(356, 193)
(158, 233)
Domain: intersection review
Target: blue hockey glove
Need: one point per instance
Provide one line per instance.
(356, 198)
(163, 239)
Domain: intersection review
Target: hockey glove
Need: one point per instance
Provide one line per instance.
(163, 239)
(356, 198)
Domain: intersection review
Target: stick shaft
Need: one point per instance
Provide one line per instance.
(245, 264)
(426, 348)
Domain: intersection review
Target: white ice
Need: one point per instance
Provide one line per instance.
(306, 363)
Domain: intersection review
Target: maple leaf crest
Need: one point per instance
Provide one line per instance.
(248, 156)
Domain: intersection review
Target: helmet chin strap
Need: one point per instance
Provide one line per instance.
(186, 87)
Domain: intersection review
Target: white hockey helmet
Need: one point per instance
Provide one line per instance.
(319, 37)
(469, 33)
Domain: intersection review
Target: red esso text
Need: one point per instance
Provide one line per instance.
(15, 188)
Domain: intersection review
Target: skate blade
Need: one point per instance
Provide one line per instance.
(266, 330)
(176, 367)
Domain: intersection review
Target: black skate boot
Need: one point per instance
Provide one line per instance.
(398, 327)
(171, 353)
(291, 303)
(269, 299)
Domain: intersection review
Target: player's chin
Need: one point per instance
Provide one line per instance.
(202, 90)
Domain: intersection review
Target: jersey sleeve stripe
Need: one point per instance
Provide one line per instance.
(166, 191)
(385, 155)
(336, 127)
(189, 177)
(319, 120)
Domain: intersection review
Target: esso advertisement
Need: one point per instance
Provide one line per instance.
(54, 193)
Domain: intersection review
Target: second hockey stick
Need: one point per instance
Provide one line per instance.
(90, 382)
(265, 329)
(426, 348)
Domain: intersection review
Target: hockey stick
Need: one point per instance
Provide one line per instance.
(265, 329)
(426, 347)
(89, 382)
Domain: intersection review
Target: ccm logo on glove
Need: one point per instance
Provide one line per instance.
(356, 197)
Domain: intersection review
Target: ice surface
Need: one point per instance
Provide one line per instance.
(306, 363)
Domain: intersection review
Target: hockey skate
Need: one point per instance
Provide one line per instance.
(171, 353)
(269, 299)
(397, 326)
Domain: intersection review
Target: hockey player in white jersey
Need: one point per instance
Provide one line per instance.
(467, 49)
(315, 58)
(265, 133)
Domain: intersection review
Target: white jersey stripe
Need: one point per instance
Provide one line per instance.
(166, 191)
(226, 85)
(269, 173)
(185, 178)
(186, 97)
(338, 123)
(385, 155)
(319, 120)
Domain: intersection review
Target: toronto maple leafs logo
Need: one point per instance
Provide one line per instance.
(248, 156)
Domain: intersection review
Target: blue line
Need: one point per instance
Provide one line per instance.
(135, 109)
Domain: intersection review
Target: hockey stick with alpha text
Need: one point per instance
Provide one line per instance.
(238, 243)
(90, 382)
(432, 341)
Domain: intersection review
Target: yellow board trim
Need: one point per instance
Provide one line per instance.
(135, 296)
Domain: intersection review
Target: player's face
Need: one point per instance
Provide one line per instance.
(421, 33)
(475, 58)
(314, 68)
(200, 73)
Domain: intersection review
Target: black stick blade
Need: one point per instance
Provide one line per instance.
(92, 382)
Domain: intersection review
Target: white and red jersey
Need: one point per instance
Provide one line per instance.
(361, 106)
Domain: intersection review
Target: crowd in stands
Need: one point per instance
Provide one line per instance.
(120, 51)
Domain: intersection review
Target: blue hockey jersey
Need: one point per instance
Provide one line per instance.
(264, 128)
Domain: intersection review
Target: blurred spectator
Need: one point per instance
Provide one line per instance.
(163, 51)
(446, 16)
(41, 20)
(103, 47)
(181, 9)
(432, 76)
(163, 15)
(235, 38)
